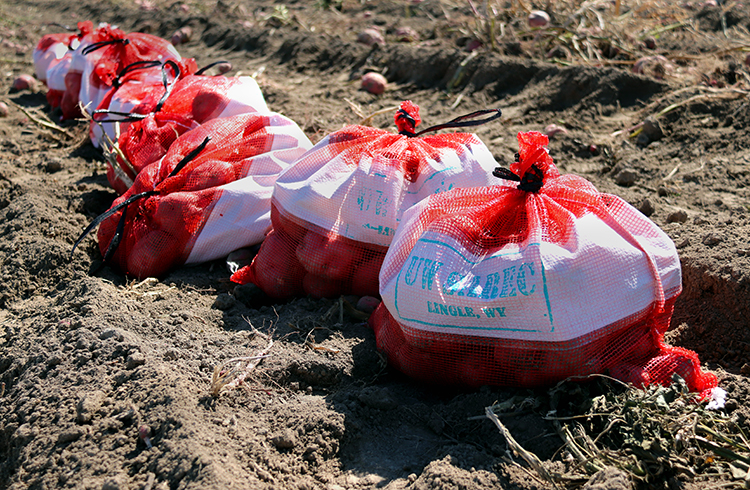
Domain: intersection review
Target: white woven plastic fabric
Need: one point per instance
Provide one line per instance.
(361, 196)
(534, 290)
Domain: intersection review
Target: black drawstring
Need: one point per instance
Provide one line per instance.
(106, 215)
(208, 67)
(190, 156)
(138, 65)
(115, 242)
(531, 181)
(134, 116)
(459, 122)
(167, 86)
(93, 47)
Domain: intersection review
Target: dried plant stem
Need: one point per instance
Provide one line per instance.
(228, 377)
(530, 458)
(40, 122)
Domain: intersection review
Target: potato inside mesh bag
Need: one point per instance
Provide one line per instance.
(140, 88)
(528, 284)
(209, 195)
(337, 208)
(105, 59)
(190, 102)
(50, 50)
(58, 70)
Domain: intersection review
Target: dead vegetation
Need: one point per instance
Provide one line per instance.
(654, 435)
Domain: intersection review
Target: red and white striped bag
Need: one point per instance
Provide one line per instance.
(531, 284)
(336, 209)
(192, 101)
(73, 75)
(208, 196)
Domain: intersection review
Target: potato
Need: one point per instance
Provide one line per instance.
(632, 374)
(553, 130)
(538, 18)
(321, 287)
(181, 35)
(4, 111)
(661, 368)
(365, 280)
(368, 304)
(69, 102)
(210, 173)
(331, 258)
(371, 37)
(287, 227)
(375, 83)
(152, 255)
(276, 270)
(25, 82)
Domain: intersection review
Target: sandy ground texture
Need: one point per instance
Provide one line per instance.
(91, 360)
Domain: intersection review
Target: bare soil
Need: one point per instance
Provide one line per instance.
(89, 356)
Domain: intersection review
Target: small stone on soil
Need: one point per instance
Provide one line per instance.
(88, 405)
(134, 360)
(626, 177)
(677, 217)
(646, 207)
(712, 239)
(287, 439)
(224, 301)
(54, 165)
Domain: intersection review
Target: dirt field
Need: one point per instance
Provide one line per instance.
(89, 356)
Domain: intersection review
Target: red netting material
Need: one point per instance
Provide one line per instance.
(50, 50)
(336, 209)
(103, 65)
(218, 202)
(511, 287)
(57, 72)
(194, 100)
(137, 91)
(92, 71)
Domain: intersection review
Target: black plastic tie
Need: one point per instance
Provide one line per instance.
(167, 86)
(532, 180)
(106, 215)
(461, 122)
(402, 114)
(125, 116)
(208, 67)
(117, 237)
(138, 65)
(134, 116)
(189, 157)
(96, 46)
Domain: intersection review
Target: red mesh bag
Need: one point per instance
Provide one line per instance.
(139, 89)
(101, 57)
(107, 58)
(334, 212)
(208, 196)
(74, 72)
(50, 50)
(58, 70)
(528, 285)
(192, 101)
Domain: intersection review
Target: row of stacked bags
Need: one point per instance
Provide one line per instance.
(483, 275)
